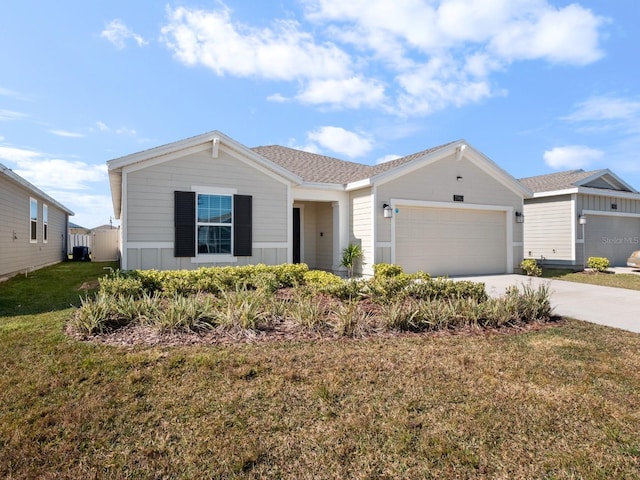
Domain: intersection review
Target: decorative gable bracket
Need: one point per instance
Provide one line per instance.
(215, 143)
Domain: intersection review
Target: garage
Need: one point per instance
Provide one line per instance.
(612, 236)
(451, 241)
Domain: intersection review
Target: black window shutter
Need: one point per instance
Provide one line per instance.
(185, 224)
(242, 218)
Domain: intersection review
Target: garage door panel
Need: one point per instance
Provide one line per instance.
(612, 237)
(444, 241)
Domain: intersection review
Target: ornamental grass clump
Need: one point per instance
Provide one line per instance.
(242, 309)
(94, 316)
(194, 312)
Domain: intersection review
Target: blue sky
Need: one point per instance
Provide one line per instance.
(537, 85)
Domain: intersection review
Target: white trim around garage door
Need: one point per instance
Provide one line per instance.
(508, 210)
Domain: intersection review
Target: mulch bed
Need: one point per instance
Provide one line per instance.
(136, 335)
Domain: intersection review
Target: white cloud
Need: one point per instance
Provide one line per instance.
(568, 35)
(90, 210)
(605, 108)
(102, 126)
(44, 170)
(66, 134)
(9, 115)
(126, 131)
(411, 57)
(341, 141)
(284, 52)
(353, 92)
(387, 158)
(278, 98)
(571, 157)
(118, 33)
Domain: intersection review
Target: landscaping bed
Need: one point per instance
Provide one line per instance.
(258, 303)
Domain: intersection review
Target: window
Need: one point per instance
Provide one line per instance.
(45, 223)
(214, 221)
(33, 220)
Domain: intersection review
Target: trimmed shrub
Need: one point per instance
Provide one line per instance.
(444, 288)
(599, 264)
(320, 280)
(530, 267)
(386, 270)
(120, 284)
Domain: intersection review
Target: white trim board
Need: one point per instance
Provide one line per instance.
(609, 214)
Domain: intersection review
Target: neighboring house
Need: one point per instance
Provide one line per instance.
(565, 205)
(209, 200)
(33, 226)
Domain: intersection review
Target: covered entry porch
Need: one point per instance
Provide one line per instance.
(320, 229)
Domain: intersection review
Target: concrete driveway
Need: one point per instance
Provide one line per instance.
(613, 307)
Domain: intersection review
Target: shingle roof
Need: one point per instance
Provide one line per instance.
(312, 167)
(556, 181)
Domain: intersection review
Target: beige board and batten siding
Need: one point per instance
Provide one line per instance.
(548, 229)
(438, 183)
(150, 205)
(610, 233)
(17, 253)
(362, 228)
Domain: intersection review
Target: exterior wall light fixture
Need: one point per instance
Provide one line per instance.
(387, 210)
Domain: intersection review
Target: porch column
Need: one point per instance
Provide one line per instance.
(340, 231)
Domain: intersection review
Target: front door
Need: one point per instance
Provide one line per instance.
(296, 235)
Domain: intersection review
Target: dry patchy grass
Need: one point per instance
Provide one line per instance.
(557, 402)
(629, 281)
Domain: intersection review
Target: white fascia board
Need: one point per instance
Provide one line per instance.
(358, 184)
(497, 172)
(164, 149)
(115, 182)
(609, 193)
(32, 188)
(195, 144)
(602, 173)
(553, 193)
(589, 191)
(318, 195)
(414, 165)
(334, 187)
(469, 152)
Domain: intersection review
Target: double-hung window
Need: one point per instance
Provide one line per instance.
(214, 223)
(33, 220)
(210, 222)
(45, 223)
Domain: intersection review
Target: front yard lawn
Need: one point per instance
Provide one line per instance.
(618, 280)
(561, 401)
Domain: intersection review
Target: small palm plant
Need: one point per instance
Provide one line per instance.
(349, 256)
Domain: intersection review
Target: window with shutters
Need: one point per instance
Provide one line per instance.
(214, 224)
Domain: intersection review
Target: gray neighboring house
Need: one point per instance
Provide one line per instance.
(209, 200)
(567, 205)
(33, 226)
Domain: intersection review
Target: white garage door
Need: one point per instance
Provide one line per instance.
(612, 237)
(447, 241)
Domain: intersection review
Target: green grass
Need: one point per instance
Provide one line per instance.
(618, 280)
(559, 402)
